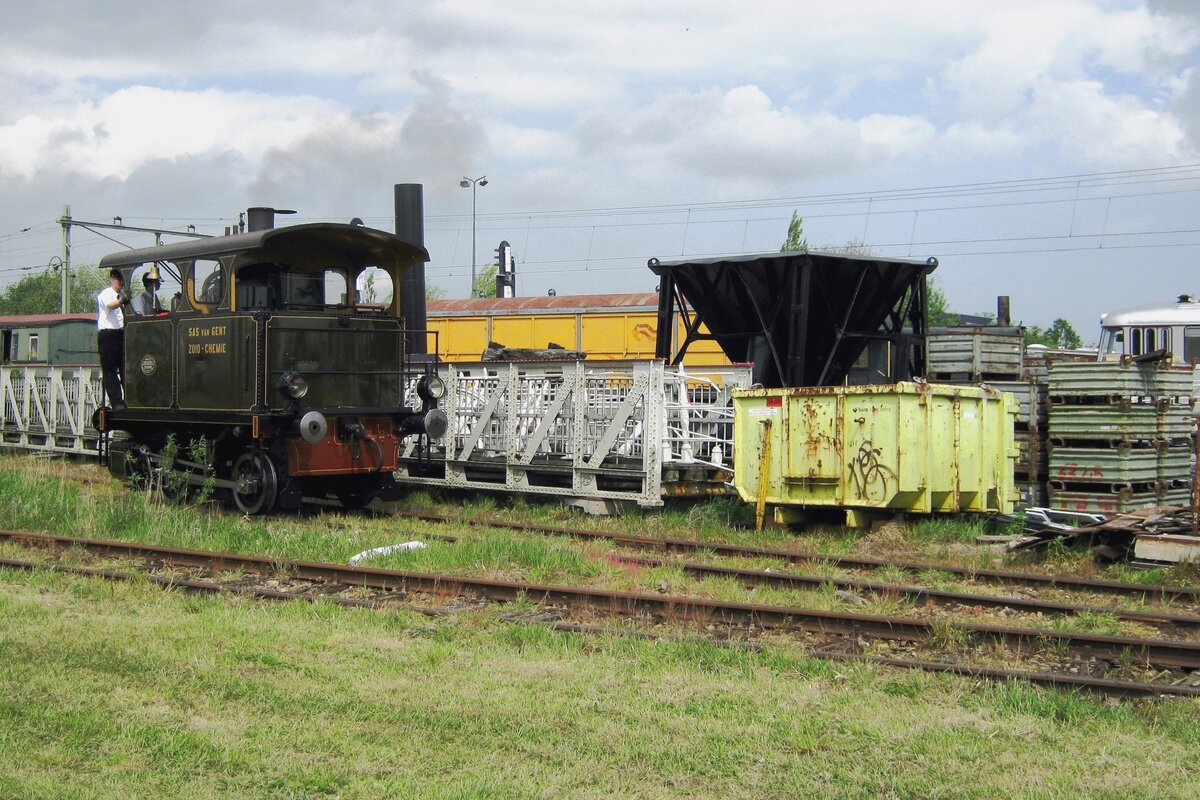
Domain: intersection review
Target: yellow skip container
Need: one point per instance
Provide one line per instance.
(915, 447)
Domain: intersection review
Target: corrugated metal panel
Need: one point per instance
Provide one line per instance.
(1032, 397)
(1102, 379)
(975, 352)
(1115, 423)
(1109, 503)
(1118, 435)
(1103, 466)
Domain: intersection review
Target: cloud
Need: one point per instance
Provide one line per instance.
(1186, 109)
(1092, 82)
(741, 135)
(1177, 8)
(136, 125)
(1092, 126)
(568, 106)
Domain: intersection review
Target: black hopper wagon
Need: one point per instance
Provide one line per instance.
(280, 371)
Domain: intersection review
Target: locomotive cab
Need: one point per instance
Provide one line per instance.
(281, 369)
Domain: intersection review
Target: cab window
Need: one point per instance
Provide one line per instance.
(373, 287)
(208, 282)
(303, 289)
(282, 286)
(168, 284)
(336, 287)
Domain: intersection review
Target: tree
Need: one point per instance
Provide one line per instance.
(939, 310)
(485, 282)
(1060, 335)
(795, 235)
(854, 247)
(41, 292)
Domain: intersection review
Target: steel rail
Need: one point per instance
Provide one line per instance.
(1161, 652)
(1106, 686)
(1186, 594)
(1102, 686)
(204, 587)
(794, 581)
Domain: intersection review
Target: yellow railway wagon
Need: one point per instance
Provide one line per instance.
(605, 326)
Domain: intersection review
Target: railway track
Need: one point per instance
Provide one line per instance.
(945, 598)
(393, 584)
(1162, 592)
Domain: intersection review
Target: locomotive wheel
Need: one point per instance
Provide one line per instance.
(259, 468)
(354, 499)
(172, 489)
(138, 468)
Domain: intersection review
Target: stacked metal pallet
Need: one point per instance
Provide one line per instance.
(994, 357)
(970, 354)
(1030, 435)
(1118, 436)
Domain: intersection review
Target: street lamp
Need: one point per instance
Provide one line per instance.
(474, 183)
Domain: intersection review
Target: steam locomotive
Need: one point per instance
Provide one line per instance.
(281, 370)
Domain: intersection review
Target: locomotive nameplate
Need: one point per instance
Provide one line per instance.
(207, 340)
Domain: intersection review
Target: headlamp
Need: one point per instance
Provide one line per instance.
(293, 385)
(431, 387)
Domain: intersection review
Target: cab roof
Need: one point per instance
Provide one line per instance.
(361, 245)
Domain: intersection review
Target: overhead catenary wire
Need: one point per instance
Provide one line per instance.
(1084, 188)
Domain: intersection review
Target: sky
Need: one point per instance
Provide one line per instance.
(1044, 149)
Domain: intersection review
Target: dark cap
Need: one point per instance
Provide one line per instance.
(116, 273)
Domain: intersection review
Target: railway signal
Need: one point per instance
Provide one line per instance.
(506, 271)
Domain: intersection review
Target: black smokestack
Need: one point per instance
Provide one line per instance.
(260, 219)
(410, 226)
(263, 219)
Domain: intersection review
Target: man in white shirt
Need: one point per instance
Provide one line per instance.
(110, 325)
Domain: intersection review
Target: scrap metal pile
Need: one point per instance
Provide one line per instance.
(1163, 533)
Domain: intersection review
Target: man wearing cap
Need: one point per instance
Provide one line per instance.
(110, 324)
(146, 304)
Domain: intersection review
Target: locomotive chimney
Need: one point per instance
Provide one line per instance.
(262, 219)
(410, 226)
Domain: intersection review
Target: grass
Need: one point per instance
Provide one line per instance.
(945, 636)
(948, 529)
(543, 560)
(1097, 622)
(128, 691)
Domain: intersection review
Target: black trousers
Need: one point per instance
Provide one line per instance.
(112, 362)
